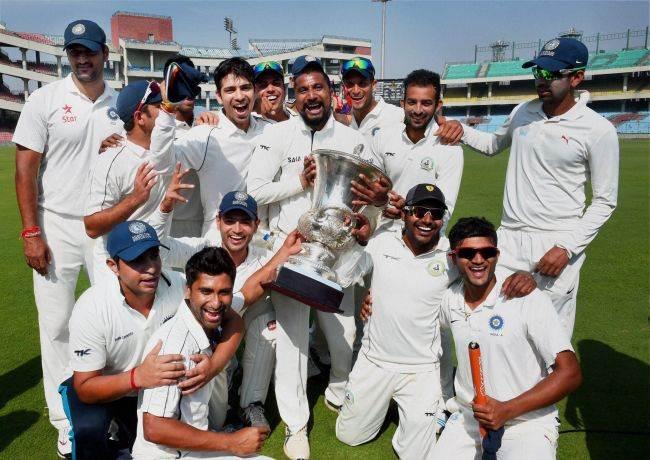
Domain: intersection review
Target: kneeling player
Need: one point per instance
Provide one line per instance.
(521, 340)
(172, 425)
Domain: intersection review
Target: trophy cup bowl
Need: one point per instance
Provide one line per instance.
(327, 227)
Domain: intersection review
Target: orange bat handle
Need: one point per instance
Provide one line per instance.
(477, 377)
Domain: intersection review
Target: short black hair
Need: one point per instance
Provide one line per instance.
(212, 261)
(179, 59)
(470, 227)
(423, 77)
(237, 66)
(129, 125)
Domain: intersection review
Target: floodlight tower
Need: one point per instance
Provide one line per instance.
(229, 25)
(383, 35)
(572, 33)
(499, 50)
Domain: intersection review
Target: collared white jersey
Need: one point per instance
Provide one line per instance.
(519, 340)
(192, 210)
(67, 128)
(113, 177)
(427, 161)
(274, 175)
(257, 257)
(383, 115)
(221, 156)
(181, 335)
(551, 161)
(107, 334)
(403, 333)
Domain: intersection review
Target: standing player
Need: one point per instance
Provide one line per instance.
(270, 92)
(57, 138)
(521, 341)
(281, 173)
(557, 145)
(399, 357)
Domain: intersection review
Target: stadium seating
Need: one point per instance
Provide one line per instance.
(506, 68)
(459, 71)
(11, 97)
(38, 38)
(629, 58)
(5, 136)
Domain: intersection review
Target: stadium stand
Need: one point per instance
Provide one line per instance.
(459, 71)
(202, 51)
(625, 58)
(506, 68)
(38, 38)
(275, 46)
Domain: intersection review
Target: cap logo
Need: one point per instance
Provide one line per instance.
(241, 196)
(310, 59)
(137, 227)
(430, 188)
(550, 46)
(78, 29)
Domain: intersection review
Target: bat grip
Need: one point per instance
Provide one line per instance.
(477, 378)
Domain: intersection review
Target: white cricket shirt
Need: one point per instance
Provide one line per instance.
(221, 156)
(182, 335)
(427, 161)
(274, 174)
(551, 161)
(113, 176)
(519, 340)
(67, 128)
(383, 115)
(107, 334)
(192, 210)
(403, 333)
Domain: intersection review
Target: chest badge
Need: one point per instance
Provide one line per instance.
(496, 323)
(436, 268)
(426, 163)
(68, 116)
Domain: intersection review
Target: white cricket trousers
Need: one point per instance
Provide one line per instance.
(521, 250)
(367, 397)
(292, 349)
(54, 294)
(531, 440)
(258, 360)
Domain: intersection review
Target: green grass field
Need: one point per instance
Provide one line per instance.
(608, 418)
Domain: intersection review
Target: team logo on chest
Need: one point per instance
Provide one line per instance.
(436, 268)
(68, 116)
(496, 325)
(426, 163)
(112, 113)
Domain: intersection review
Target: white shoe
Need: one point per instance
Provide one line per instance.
(63, 444)
(296, 445)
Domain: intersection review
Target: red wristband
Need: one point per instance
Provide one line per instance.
(31, 232)
(134, 387)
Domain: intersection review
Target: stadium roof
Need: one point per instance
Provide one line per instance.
(265, 46)
(208, 52)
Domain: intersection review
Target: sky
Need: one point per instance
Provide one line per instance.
(419, 34)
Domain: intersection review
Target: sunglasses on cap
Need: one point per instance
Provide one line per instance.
(153, 89)
(357, 63)
(544, 74)
(421, 211)
(268, 65)
(486, 252)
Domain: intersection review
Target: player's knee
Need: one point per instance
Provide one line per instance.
(349, 434)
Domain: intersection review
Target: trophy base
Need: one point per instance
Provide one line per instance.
(308, 288)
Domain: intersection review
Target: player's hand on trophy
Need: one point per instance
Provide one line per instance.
(396, 203)
(362, 230)
(368, 191)
(365, 311)
(37, 254)
(553, 262)
(450, 132)
(292, 244)
(159, 370)
(145, 178)
(114, 140)
(207, 118)
(173, 194)
(519, 284)
(308, 174)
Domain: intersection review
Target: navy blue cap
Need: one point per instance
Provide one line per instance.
(85, 33)
(239, 200)
(359, 64)
(560, 54)
(128, 240)
(303, 63)
(425, 192)
(130, 97)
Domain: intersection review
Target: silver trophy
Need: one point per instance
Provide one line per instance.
(327, 226)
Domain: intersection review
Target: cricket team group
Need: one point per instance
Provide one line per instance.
(181, 221)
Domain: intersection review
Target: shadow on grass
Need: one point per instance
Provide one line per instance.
(20, 379)
(612, 406)
(14, 424)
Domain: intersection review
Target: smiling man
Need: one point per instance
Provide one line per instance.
(270, 92)
(57, 138)
(527, 359)
(557, 146)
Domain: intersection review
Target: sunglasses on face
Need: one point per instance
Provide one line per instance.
(356, 63)
(469, 253)
(152, 90)
(267, 65)
(543, 74)
(421, 211)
